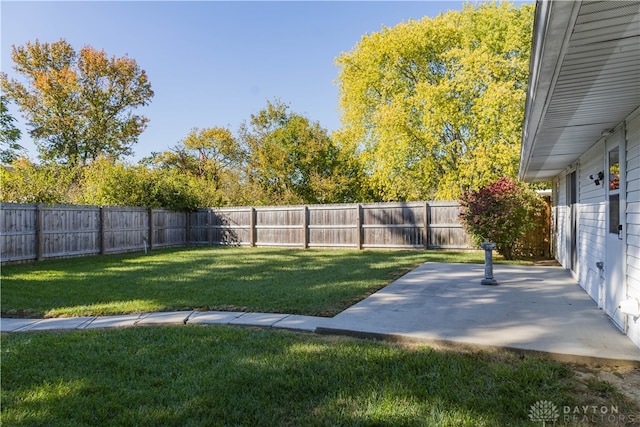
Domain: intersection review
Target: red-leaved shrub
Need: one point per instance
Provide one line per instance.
(502, 212)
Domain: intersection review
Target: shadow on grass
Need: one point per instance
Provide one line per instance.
(221, 375)
(311, 282)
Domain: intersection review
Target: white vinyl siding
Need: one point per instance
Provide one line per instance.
(633, 219)
(592, 221)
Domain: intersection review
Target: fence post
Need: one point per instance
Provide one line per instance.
(359, 227)
(102, 233)
(252, 226)
(188, 228)
(305, 227)
(210, 226)
(427, 222)
(39, 232)
(150, 238)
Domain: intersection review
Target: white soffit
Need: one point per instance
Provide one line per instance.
(584, 80)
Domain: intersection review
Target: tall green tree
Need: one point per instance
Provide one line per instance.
(213, 159)
(9, 135)
(203, 152)
(293, 160)
(434, 107)
(79, 105)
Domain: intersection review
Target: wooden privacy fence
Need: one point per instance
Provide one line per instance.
(36, 232)
(376, 225)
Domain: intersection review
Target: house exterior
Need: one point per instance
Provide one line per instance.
(582, 133)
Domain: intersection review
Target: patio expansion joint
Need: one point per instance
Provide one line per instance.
(26, 326)
(275, 324)
(186, 319)
(140, 318)
(87, 323)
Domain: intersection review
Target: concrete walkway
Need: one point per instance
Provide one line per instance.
(536, 309)
(268, 320)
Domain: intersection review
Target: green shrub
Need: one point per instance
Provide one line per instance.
(26, 182)
(109, 183)
(502, 212)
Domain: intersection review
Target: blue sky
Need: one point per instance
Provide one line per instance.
(214, 63)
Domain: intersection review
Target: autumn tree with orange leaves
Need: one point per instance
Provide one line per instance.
(78, 105)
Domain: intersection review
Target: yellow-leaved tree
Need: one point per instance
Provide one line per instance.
(435, 107)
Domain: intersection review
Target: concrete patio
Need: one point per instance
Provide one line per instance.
(534, 308)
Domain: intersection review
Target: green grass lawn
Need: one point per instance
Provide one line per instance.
(311, 282)
(223, 375)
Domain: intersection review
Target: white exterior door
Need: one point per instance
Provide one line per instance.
(615, 285)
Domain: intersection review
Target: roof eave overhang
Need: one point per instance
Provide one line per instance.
(584, 81)
(553, 24)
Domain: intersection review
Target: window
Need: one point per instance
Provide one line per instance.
(614, 190)
(614, 169)
(614, 213)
